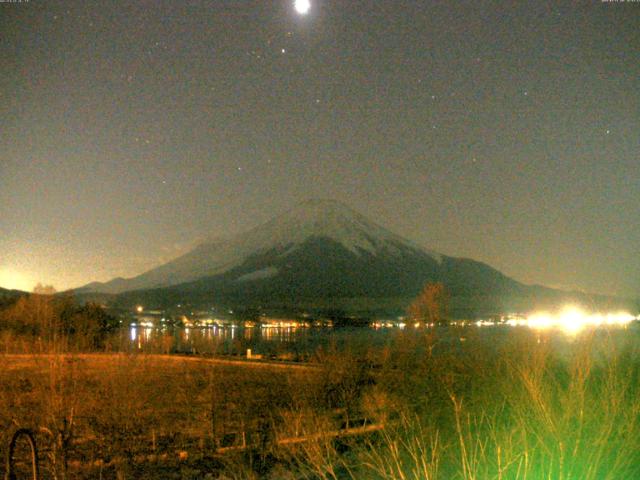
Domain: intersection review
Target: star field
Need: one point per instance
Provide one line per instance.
(131, 131)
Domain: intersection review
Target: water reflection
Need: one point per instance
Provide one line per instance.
(278, 341)
(288, 342)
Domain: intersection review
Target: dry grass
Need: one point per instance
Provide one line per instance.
(515, 407)
(104, 407)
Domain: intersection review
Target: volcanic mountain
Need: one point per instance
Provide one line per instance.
(321, 252)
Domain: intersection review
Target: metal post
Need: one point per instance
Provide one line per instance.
(10, 474)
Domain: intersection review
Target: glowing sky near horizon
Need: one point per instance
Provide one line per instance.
(504, 133)
(17, 280)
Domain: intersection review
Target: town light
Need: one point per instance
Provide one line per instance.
(572, 320)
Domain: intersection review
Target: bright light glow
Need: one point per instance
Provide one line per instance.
(139, 309)
(12, 279)
(302, 6)
(572, 320)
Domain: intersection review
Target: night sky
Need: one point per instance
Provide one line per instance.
(508, 133)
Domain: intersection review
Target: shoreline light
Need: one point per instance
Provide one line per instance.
(572, 320)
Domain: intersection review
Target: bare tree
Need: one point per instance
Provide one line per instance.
(431, 305)
(41, 289)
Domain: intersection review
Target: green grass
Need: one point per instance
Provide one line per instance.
(517, 411)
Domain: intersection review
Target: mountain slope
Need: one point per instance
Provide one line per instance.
(8, 296)
(324, 253)
(4, 292)
(284, 234)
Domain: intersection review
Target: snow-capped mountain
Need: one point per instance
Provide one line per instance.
(321, 249)
(285, 234)
(324, 255)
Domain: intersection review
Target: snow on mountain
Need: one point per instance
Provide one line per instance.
(330, 219)
(322, 252)
(285, 233)
(258, 274)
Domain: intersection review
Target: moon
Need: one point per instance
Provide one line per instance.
(302, 6)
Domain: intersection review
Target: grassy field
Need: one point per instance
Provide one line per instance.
(468, 406)
(118, 410)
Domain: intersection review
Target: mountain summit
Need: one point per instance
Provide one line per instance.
(324, 255)
(329, 220)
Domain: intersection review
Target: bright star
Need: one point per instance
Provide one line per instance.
(302, 6)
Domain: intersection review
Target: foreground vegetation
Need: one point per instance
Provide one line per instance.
(439, 404)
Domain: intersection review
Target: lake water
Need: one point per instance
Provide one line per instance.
(284, 343)
(300, 344)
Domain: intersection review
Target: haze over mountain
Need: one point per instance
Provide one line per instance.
(321, 250)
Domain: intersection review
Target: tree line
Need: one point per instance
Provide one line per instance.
(56, 320)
